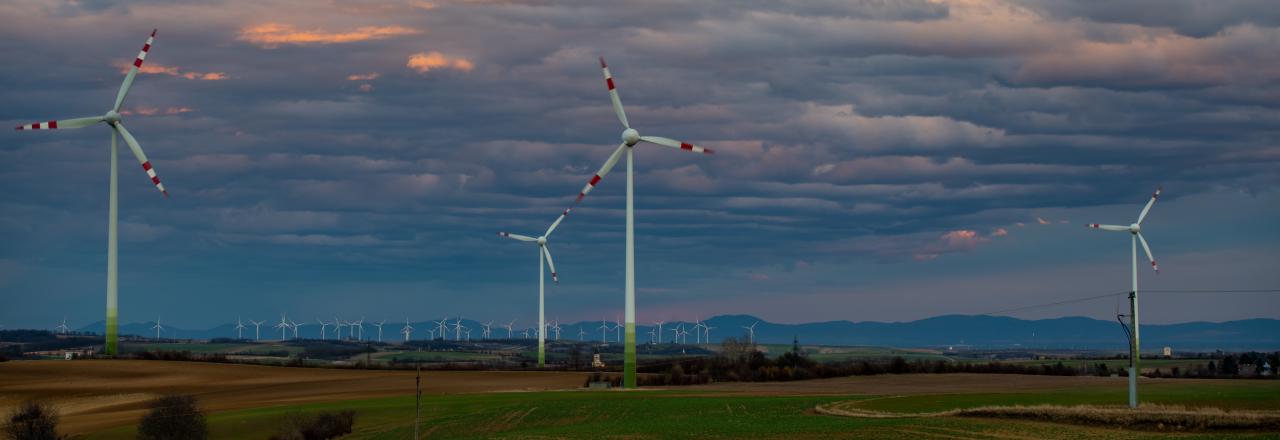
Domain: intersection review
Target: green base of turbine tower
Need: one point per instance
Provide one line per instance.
(112, 348)
(629, 357)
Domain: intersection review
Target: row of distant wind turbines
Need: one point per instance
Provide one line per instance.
(630, 138)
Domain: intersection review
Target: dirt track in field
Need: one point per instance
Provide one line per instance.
(95, 395)
(907, 384)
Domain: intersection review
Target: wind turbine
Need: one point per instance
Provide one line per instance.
(357, 325)
(239, 328)
(652, 338)
(431, 332)
(295, 326)
(630, 137)
(487, 329)
(751, 332)
(379, 326)
(457, 328)
(112, 118)
(337, 327)
(323, 325)
(1135, 237)
(544, 254)
(257, 328)
(582, 333)
(283, 326)
(707, 329)
(676, 338)
(698, 325)
(407, 330)
(659, 324)
(508, 326)
(618, 329)
(62, 328)
(443, 323)
(604, 329)
(157, 327)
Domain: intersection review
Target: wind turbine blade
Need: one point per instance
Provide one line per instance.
(1154, 196)
(1109, 227)
(556, 223)
(676, 144)
(516, 236)
(550, 264)
(133, 71)
(613, 95)
(142, 157)
(1148, 249)
(61, 124)
(608, 165)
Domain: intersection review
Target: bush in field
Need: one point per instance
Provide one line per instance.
(32, 420)
(173, 417)
(318, 426)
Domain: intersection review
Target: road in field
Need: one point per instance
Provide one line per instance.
(98, 394)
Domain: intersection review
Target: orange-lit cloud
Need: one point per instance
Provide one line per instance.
(363, 76)
(1000, 232)
(1042, 221)
(160, 69)
(427, 61)
(154, 111)
(366, 88)
(272, 35)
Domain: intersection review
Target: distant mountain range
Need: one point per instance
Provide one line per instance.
(968, 331)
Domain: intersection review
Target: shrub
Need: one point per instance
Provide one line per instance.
(318, 426)
(32, 420)
(173, 417)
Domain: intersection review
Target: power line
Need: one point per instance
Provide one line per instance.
(1058, 303)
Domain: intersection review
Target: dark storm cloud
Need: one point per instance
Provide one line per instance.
(378, 146)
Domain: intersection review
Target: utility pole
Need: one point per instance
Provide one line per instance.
(417, 398)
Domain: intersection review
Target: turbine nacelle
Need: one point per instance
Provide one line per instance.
(630, 137)
(542, 241)
(112, 117)
(1135, 228)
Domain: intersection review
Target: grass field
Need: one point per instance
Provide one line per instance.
(101, 399)
(651, 414)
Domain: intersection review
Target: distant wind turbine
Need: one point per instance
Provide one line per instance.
(1135, 237)
(62, 328)
(239, 328)
(407, 330)
(257, 328)
(751, 332)
(544, 255)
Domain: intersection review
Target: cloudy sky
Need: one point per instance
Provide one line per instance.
(874, 160)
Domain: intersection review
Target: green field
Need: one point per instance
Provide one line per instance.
(434, 356)
(685, 414)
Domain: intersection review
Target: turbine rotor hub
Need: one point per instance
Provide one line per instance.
(1135, 228)
(111, 117)
(630, 136)
(542, 241)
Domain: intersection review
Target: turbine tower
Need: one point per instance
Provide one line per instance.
(543, 254)
(157, 327)
(283, 326)
(296, 326)
(630, 137)
(604, 331)
(407, 330)
(508, 326)
(323, 325)
(1135, 237)
(239, 328)
(112, 118)
(62, 328)
(659, 324)
(379, 326)
(751, 332)
(257, 328)
(487, 329)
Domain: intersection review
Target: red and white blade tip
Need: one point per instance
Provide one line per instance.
(1156, 194)
(555, 278)
(146, 166)
(50, 125)
(503, 234)
(1093, 225)
(602, 64)
(153, 33)
(695, 148)
(1154, 266)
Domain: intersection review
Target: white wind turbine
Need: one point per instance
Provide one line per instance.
(323, 325)
(1135, 237)
(283, 326)
(257, 328)
(652, 338)
(407, 330)
(357, 325)
(630, 137)
(582, 333)
(443, 323)
(239, 328)
(62, 328)
(113, 120)
(751, 332)
(487, 329)
(431, 334)
(457, 328)
(675, 339)
(337, 327)
(707, 329)
(617, 328)
(508, 326)
(604, 331)
(544, 254)
(296, 326)
(379, 326)
(659, 333)
(697, 332)
(158, 328)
